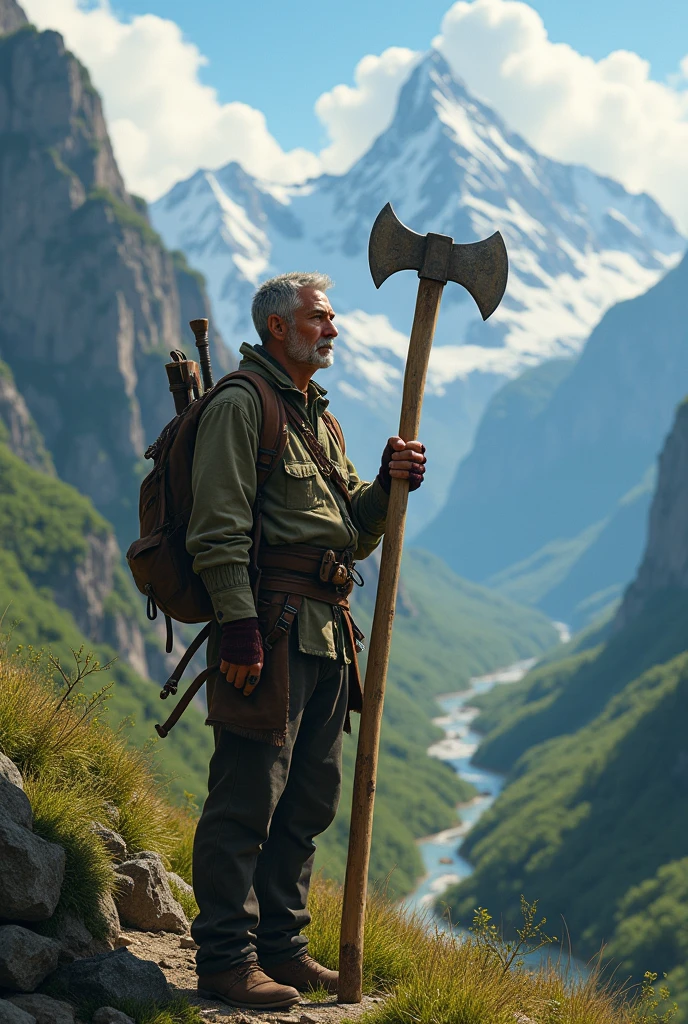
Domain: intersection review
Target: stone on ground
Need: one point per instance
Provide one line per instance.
(109, 1015)
(112, 841)
(148, 903)
(9, 771)
(44, 1009)
(32, 873)
(11, 1014)
(113, 977)
(15, 803)
(26, 959)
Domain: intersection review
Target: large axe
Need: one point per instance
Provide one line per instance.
(481, 267)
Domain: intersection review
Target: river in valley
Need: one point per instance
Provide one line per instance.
(441, 853)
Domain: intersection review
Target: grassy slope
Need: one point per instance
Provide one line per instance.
(604, 793)
(43, 523)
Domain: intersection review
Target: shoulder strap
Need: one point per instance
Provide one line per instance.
(318, 453)
(336, 432)
(273, 432)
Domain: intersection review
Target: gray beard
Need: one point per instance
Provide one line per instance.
(305, 352)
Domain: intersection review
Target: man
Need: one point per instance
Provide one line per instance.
(288, 676)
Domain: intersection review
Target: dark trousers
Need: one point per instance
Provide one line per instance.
(254, 849)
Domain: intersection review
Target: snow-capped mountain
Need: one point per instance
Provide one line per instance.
(577, 243)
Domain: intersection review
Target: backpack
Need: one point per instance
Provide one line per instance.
(160, 564)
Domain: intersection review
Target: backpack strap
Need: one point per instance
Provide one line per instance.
(273, 432)
(336, 432)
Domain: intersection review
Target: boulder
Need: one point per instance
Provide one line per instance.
(43, 1009)
(15, 803)
(76, 939)
(109, 1015)
(11, 1014)
(112, 841)
(148, 904)
(112, 977)
(26, 959)
(180, 882)
(9, 771)
(32, 873)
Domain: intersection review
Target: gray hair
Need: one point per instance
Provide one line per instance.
(280, 295)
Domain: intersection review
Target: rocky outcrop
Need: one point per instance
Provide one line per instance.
(144, 898)
(12, 17)
(43, 1009)
(26, 959)
(664, 567)
(89, 299)
(111, 978)
(17, 428)
(32, 873)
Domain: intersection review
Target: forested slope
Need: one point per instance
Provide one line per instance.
(593, 820)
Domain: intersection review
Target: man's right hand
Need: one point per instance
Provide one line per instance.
(241, 654)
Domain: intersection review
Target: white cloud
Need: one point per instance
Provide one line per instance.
(163, 121)
(355, 116)
(607, 114)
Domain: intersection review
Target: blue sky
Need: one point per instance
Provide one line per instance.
(279, 57)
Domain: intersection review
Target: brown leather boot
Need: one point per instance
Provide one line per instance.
(303, 972)
(248, 986)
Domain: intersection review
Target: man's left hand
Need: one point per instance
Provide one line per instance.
(402, 460)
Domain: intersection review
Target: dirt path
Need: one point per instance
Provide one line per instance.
(179, 967)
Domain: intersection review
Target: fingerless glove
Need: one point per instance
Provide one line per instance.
(415, 475)
(241, 642)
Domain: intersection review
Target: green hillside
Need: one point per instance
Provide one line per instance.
(594, 818)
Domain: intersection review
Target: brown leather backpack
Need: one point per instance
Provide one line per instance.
(160, 564)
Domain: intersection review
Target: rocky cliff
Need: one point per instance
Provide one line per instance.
(17, 428)
(91, 302)
(664, 568)
(12, 17)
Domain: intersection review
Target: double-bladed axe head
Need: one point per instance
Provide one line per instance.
(481, 267)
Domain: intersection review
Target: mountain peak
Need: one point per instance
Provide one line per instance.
(12, 17)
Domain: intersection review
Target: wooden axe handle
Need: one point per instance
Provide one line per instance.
(365, 776)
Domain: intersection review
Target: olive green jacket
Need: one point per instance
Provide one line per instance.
(299, 505)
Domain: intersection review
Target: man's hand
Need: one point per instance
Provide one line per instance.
(241, 654)
(404, 460)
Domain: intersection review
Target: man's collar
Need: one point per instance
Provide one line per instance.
(258, 354)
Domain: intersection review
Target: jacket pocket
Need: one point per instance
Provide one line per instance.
(301, 478)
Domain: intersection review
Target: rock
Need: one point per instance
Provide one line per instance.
(76, 939)
(124, 940)
(180, 883)
(109, 978)
(32, 873)
(9, 771)
(11, 1014)
(186, 942)
(44, 1009)
(15, 803)
(112, 841)
(149, 904)
(109, 1015)
(25, 958)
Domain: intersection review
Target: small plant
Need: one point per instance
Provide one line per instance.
(650, 1000)
(531, 936)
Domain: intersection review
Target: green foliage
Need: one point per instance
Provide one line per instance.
(595, 745)
(78, 771)
(185, 899)
(530, 937)
(177, 1011)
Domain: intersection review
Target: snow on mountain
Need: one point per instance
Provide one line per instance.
(577, 243)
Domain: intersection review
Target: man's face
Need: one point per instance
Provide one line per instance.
(310, 338)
